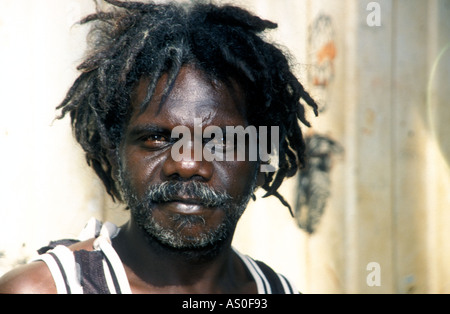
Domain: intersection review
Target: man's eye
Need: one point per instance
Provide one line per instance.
(223, 143)
(155, 140)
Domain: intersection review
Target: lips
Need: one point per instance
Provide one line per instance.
(186, 206)
(187, 201)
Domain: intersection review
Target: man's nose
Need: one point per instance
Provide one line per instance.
(187, 163)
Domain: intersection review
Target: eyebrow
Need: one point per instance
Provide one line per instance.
(139, 130)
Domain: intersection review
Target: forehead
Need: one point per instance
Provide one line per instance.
(193, 95)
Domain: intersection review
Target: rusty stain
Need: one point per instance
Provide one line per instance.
(327, 53)
(369, 120)
(325, 59)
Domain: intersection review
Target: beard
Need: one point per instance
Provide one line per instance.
(205, 244)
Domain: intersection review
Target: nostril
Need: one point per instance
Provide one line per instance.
(188, 170)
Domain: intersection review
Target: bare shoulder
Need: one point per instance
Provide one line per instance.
(35, 277)
(32, 278)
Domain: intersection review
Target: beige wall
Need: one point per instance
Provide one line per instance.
(386, 104)
(45, 189)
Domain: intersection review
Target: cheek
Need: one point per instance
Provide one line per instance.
(237, 177)
(142, 169)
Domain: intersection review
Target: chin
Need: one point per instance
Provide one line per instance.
(192, 249)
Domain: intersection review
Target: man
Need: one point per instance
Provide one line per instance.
(153, 69)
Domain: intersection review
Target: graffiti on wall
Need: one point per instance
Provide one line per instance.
(313, 182)
(322, 54)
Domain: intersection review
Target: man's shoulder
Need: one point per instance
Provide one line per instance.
(32, 278)
(35, 277)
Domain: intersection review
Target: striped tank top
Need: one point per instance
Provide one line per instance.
(101, 271)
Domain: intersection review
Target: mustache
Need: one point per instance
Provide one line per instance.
(192, 191)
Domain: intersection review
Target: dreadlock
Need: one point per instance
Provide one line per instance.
(133, 38)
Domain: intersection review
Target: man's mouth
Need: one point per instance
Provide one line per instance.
(187, 201)
(185, 208)
(185, 205)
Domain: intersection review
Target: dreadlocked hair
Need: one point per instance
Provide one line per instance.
(132, 39)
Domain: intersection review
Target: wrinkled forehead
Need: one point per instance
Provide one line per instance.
(192, 94)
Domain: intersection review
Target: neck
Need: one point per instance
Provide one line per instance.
(153, 267)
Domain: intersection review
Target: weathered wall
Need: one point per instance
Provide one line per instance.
(46, 190)
(386, 105)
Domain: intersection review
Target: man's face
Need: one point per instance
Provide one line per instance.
(187, 203)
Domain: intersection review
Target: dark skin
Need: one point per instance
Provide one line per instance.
(146, 156)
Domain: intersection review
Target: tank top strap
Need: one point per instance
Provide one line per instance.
(65, 271)
(266, 279)
(115, 274)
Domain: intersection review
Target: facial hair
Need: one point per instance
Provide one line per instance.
(207, 243)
